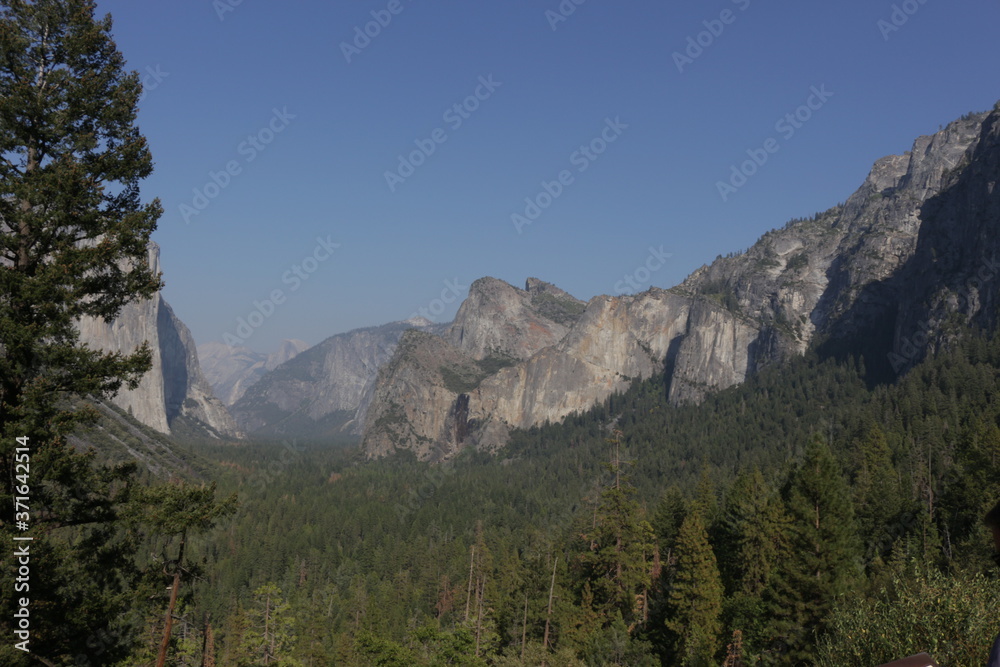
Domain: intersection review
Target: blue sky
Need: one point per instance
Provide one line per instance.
(272, 140)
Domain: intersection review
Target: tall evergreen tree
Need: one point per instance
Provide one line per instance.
(756, 528)
(824, 555)
(667, 520)
(617, 563)
(695, 601)
(753, 540)
(269, 632)
(177, 511)
(880, 501)
(73, 243)
(73, 233)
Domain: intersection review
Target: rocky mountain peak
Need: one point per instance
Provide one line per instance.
(324, 390)
(287, 350)
(921, 229)
(232, 369)
(500, 320)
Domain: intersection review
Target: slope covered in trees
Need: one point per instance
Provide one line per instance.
(726, 531)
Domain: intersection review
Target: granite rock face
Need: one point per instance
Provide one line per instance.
(421, 397)
(174, 387)
(323, 390)
(415, 399)
(231, 370)
(500, 320)
(914, 244)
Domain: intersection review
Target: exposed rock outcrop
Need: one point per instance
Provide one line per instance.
(231, 370)
(897, 257)
(323, 390)
(500, 320)
(174, 387)
(423, 396)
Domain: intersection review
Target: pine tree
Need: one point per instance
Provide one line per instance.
(176, 511)
(695, 600)
(753, 540)
(269, 628)
(73, 234)
(879, 498)
(824, 555)
(73, 243)
(667, 520)
(617, 564)
(756, 531)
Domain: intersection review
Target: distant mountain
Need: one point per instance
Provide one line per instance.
(909, 256)
(232, 370)
(324, 390)
(174, 387)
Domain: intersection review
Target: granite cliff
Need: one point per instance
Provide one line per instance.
(324, 390)
(910, 252)
(422, 396)
(174, 388)
(232, 370)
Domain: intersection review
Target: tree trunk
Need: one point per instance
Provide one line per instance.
(548, 614)
(468, 593)
(162, 657)
(524, 626)
(480, 598)
(208, 646)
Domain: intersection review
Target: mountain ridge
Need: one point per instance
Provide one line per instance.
(324, 389)
(795, 286)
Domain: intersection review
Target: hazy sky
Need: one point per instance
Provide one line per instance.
(361, 178)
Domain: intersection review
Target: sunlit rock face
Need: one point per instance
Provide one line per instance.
(174, 386)
(913, 245)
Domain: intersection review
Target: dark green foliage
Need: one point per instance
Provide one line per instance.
(797, 261)
(615, 645)
(73, 234)
(695, 600)
(495, 361)
(461, 379)
(823, 558)
(73, 243)
(618, 550)
(373, 547)
(951, 617)
(822, 562)
(880, 501)
(755, 534)
(667, 519)
(563, 310)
